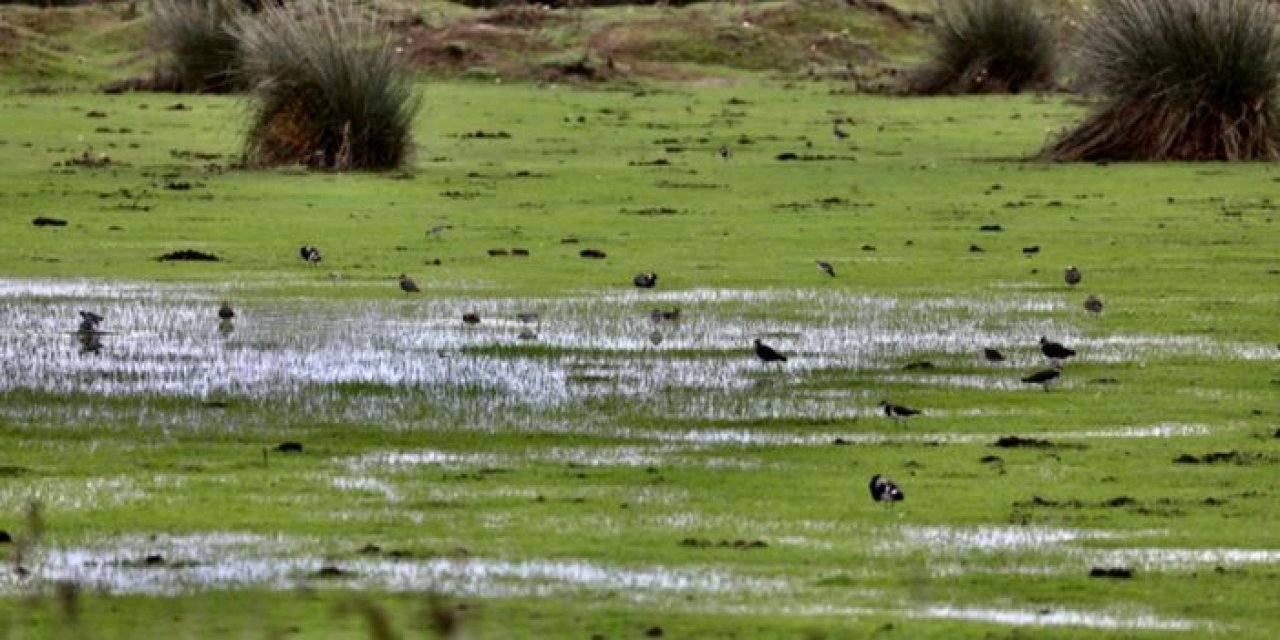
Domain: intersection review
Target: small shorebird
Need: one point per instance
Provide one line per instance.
(884, 490)
(1054, 351)
(767, 353)
(1044, 376)
(471, 317)
(1093, 304)
(310, 253)
(896, 412)
(226, 313)
(1072, 276)
(646, 280)
(724, 152)
(826, 267)
(407, 284)
(89, 321)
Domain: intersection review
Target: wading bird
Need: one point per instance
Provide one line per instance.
(1071, 275)
(767, 353)
(646, 280)
(896, 412)
(884, 490)
(471, 317)
(1093, 304)
(89, 321)
(226, 313)
(407, 284)
(1054, 351)
(1044, 376)
(826, 267)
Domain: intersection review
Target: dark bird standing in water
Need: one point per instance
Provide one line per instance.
(471, 317)
(646, 280)
(1054, 351)
(226, 313)
(767, 353)
(1044, 376)
(407, 284)
(309, 253)
(897, 412)
(884, 490)
(1071, 276)
(1093, 304)
(992, 355)
(826, 267)
(89, 321)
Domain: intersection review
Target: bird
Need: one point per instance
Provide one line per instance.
(724, 152)
(1093, 304)
(897, 412)
(408, 285)
(89, 321)
(840, 134)
(310, 253)
(826, 267)
(438, 229)
(767, 353)
(226, 313)
(646, 280)
(1044, 376)
(884, 490)
(1071, 275)
(992, 355)
(471, 317)
(1054, 351)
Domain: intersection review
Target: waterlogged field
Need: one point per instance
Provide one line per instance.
(571, 466)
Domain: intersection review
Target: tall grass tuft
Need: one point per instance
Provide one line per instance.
(204, 56)
(988, 46)
(329, 93)
(1183, 80)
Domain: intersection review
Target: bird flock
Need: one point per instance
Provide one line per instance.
(882, 489)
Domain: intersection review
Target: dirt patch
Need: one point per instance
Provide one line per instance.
(188, 255)
(1013, 442)
(1229, 457)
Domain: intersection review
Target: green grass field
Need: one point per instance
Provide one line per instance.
(613, 477)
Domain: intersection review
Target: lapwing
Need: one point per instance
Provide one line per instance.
(1071, 275)
(1044, 376)
(767, 353)
(310, 253)
(1054, 351)
(89, 321)
(646, 280)
(471, 317)
(407, 284)
(1093, 304)
(825, 267)
(896, 412)
(992, 355)
(884, 490)
(226, 313)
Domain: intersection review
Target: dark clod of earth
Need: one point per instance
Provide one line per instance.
(5, 538)
(1111, 572)
(1010, 442)
(42, 221)
(592, 253)
(991, 228)
(331, 571)
(653, 632)
(189, 255)
(289, 447)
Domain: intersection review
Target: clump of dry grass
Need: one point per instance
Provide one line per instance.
(988, 46)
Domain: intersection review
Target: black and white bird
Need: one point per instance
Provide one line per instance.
(884, 490)
(1044, 376)
(89, 321)
(1054, 351)
(646, 280)
(767, 353)
(1071, 275)
(1093, 304)
(896, 412)
(226, 313)
(826, 267)
(309, 253)
(407, 284)
(992, 355)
